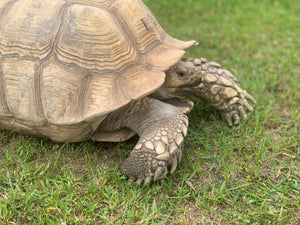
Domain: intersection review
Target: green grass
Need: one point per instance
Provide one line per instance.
(248, 174)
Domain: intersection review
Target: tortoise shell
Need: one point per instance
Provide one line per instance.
(68, 63)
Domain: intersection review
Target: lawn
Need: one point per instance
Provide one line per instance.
(249, 174)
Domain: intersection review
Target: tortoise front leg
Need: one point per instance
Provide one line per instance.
(162, 128)
(220, 89)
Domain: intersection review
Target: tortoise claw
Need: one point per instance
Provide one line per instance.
(173, 164)
(139, 181)
(131, 180)
(236, 119)
(250, 98)
(147, 180)
(242, 113)
(158, 172)
(227, 119)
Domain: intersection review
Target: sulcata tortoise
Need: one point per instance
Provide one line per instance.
(72, 70)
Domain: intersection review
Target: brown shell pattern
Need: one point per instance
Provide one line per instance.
(67, 61)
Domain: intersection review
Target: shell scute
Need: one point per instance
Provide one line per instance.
(138, 82)
(28, 27)
(93, 40)
(140, 24)
(62, 93)
(21, 88)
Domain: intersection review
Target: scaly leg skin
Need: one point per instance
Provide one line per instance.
(220, 89)
(162, 128)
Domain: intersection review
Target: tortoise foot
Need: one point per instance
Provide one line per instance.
(220, 89)
(158, 151)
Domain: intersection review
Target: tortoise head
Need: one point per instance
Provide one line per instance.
(182, 81)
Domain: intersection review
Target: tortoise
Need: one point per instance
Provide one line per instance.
(73, 70)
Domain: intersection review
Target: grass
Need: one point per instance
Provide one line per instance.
(248, 174)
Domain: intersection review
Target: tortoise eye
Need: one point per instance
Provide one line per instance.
(181, 74)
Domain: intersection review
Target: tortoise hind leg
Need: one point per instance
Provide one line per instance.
(162, 128)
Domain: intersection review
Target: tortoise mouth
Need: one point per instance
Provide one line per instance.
(189, 90)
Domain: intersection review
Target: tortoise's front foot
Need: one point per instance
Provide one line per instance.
(158, 151)
(220, 89)
(232, 109)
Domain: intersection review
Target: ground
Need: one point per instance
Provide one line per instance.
(249, 174)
